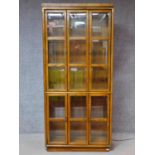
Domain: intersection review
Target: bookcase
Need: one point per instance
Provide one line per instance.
(78, 70)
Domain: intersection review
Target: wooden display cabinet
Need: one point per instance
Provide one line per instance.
(78, 67)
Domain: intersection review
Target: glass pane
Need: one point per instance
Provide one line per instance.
(78, 132)
(98, 132)
(56, 77)
(55, 24)
(100, 52)
(57, 106)
(78, 77)
(78, 106)
(99, 106)
(99, 78)
(77, 24)
(78, 51)
(57, 132)
(56, 51)
(100, 24)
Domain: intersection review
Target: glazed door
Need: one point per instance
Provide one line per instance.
(100, 50)
(56, 54)
(57, 118)
(78, 118)
(98, 118)
(78, 50)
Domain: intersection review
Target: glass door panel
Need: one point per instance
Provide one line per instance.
(78, 132)
(78, 106)
(77, 24)
(99, 78)
(57, 132)
(99, 107)
(98, 133)
(57, 107)
(100, 24)
(99, 52)
(78, 52)
(78, 77)
(57, 78)
(56, 52)
(55, 24)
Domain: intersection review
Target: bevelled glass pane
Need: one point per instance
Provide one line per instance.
(55, 24)
(100, 52)
(99, 106)
(57, 106)
(78, 106)
(57, 132)
(56, 77)
(99, 78)
(100, 24)
(78, 77)
(78, 132)
(98, 132)
(56, 51)
(78, 51)
(77, 24)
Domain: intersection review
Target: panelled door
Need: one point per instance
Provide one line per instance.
(77, 80)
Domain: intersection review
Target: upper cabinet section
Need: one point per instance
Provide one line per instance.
(77, 45)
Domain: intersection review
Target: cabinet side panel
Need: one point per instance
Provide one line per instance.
(44, 71)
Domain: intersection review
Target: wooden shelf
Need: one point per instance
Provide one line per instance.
(78, 119)
(77, 38)
(99, 119)
(99, 38)
(56, 38)
(56, 65)
(78, 65)
(57, 119)
(99, 65)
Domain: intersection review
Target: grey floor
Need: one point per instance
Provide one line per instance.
(33, 144)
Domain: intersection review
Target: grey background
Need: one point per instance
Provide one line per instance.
(31, 65)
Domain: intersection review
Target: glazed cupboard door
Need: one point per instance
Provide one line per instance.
(77, 30)
(56, 54)
(100, 50)
(78, 118)
(99, 118)
(57, 118)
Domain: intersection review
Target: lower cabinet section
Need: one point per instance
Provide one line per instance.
(76, 120)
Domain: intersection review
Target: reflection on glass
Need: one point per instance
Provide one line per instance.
(56, 77)
(100, 24)
(78, 51)
(78, 106)
(56, 53)
(98, 132)
(99, 78)
(57, 107)
(99, 106)
(77, 24)
(100, 52)
(78, 77)
(78, 132)
(57, 132)
(55, 24)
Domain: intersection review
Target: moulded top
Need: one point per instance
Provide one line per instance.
(77, 4)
